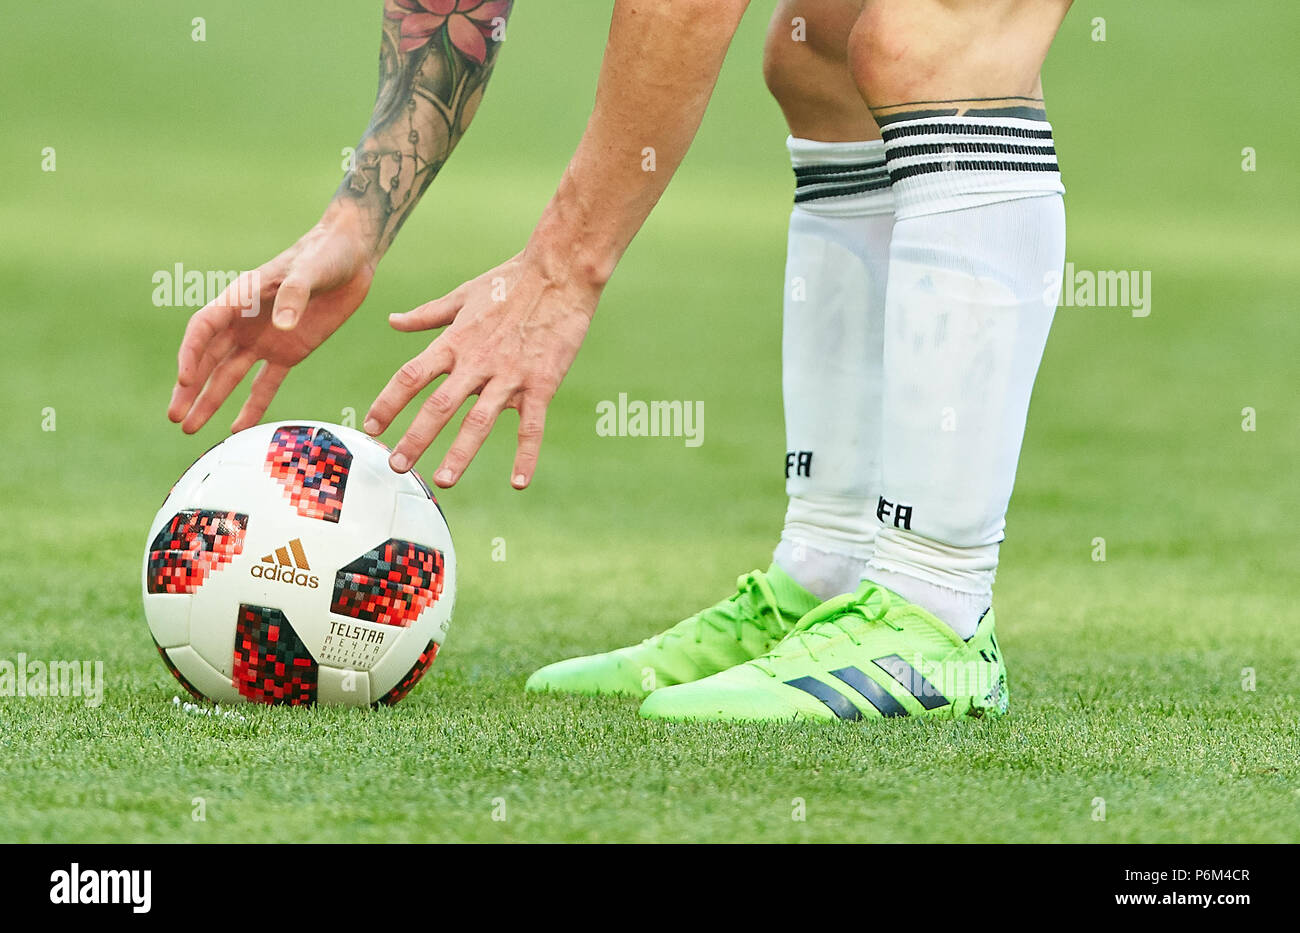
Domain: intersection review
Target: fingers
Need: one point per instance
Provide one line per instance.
(429, 315)
(204, 327)
(223, 381)
(184, 392)
(208, 339)
(532, 424)
(414, 375)
(214, 319)
(429, 421)
(264, 387)
(473, 432)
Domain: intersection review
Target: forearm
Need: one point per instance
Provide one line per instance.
(433, 69)
(661, 63)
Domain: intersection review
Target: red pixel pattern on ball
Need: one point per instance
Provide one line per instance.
(391, 585)
(418, 670)
(272, 665)
(311, 465)
(191, 546)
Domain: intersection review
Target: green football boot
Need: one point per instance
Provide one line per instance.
(865, 655)
(764, 608)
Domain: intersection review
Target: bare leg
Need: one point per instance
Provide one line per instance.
(805, 65)
(953, 56)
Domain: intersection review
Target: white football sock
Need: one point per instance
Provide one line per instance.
(822, 573)
(978, 242)
(836, 265)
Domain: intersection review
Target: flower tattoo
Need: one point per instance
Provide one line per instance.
(468, 24)
(434, 65)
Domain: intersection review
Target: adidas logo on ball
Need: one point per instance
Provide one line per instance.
(284, 568)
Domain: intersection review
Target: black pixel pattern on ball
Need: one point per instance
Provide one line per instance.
(391, 584)
(191, 546)
(272, 665)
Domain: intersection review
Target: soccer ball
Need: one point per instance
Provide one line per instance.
(290, 565)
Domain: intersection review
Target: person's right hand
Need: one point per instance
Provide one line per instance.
(305, 294)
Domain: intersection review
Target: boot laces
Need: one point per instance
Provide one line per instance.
(844, 616)
(732, 616)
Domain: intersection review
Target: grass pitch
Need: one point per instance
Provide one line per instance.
(1131, 676)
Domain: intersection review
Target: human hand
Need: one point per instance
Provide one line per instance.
(512, 334)
(277, 313)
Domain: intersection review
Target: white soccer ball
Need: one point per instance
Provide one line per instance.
(289, 564)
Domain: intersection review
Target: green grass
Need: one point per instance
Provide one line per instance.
(1126, 675)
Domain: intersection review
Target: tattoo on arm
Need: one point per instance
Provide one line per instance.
(1026, 108)
(433, 69)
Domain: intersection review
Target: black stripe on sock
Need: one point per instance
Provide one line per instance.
(849, 168)
(981, 148)
(845, 179)
(907, 171)
(841, 191)
(963, 129)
